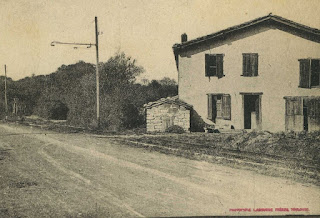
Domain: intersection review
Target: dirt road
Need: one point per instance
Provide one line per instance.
(48, 174)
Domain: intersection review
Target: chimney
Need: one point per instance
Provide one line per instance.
(184, 37)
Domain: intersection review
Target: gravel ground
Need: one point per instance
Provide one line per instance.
(50, 174)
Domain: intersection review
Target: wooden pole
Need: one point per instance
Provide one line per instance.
(97, 67)
(97, 72)
(5, 90)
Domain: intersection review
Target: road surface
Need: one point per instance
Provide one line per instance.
(48, 174)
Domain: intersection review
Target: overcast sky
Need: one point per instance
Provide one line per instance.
(143, 29)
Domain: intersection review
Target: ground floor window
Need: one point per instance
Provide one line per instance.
(219, 107)
(302, 113)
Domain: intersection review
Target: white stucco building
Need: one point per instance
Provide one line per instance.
(263, 74)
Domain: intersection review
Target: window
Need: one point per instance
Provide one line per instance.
(214, 65)
(250, 64)
(219, 107)
(218, 100)
(302, 113)
(309, 73)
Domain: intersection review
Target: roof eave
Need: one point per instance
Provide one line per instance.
(312, 31)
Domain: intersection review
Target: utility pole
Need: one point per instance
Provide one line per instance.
(5, 90)
(97, 71)
(97, 67)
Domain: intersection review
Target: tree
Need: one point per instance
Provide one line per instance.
(56, 98)
(118, 107)
(119, 70)
(70, 93)
(166, 81)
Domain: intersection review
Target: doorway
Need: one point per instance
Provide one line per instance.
(252, 111)
(305, 117)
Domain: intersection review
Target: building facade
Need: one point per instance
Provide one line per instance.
(263, 74)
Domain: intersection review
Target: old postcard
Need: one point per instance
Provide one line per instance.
(159, 108)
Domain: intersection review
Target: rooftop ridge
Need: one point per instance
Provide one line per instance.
(258, 20)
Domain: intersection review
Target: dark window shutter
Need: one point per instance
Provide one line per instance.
(250, 65)
(246, 65)
(226, 107)
(304, 74)
(211, 65)
(314, 113)
(289, 107)
(210, 115)
(217, 106)
(254, 64)
(244, 71)
(299, 106)
(294, 114)
(207, 58)
(315, 72)
(219, 60)
(294, 106)
(311, 108)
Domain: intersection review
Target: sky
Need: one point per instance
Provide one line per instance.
(144, 29)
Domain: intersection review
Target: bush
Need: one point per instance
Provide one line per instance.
(196, 122)
(229, 138)
(280, 135)
(302, 134)
(291, 134)
(175, 129)
(314, 135)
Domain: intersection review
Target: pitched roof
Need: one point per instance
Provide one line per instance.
(312, 33)
(169, 100)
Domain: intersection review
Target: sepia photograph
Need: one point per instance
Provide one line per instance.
(159, 108)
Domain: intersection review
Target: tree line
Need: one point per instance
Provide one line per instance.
(70, 93)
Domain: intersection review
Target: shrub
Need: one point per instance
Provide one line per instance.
(196, 122)
(291, 134)
(280, 135)
(229, 138)
(175, 129)
(302, 134)
(314, 135)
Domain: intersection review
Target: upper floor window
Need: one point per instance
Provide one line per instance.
(309, 73)
(214, 65)
(250, 64)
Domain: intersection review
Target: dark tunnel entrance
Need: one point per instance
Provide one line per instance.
(59, 112)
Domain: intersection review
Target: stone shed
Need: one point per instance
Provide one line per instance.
(167, 112)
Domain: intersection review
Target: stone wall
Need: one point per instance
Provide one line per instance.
(160, 117)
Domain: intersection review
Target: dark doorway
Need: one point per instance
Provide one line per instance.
(214, 108)
(251, 104)
(305, 117)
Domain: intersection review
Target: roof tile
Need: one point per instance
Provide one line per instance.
(168, 100)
